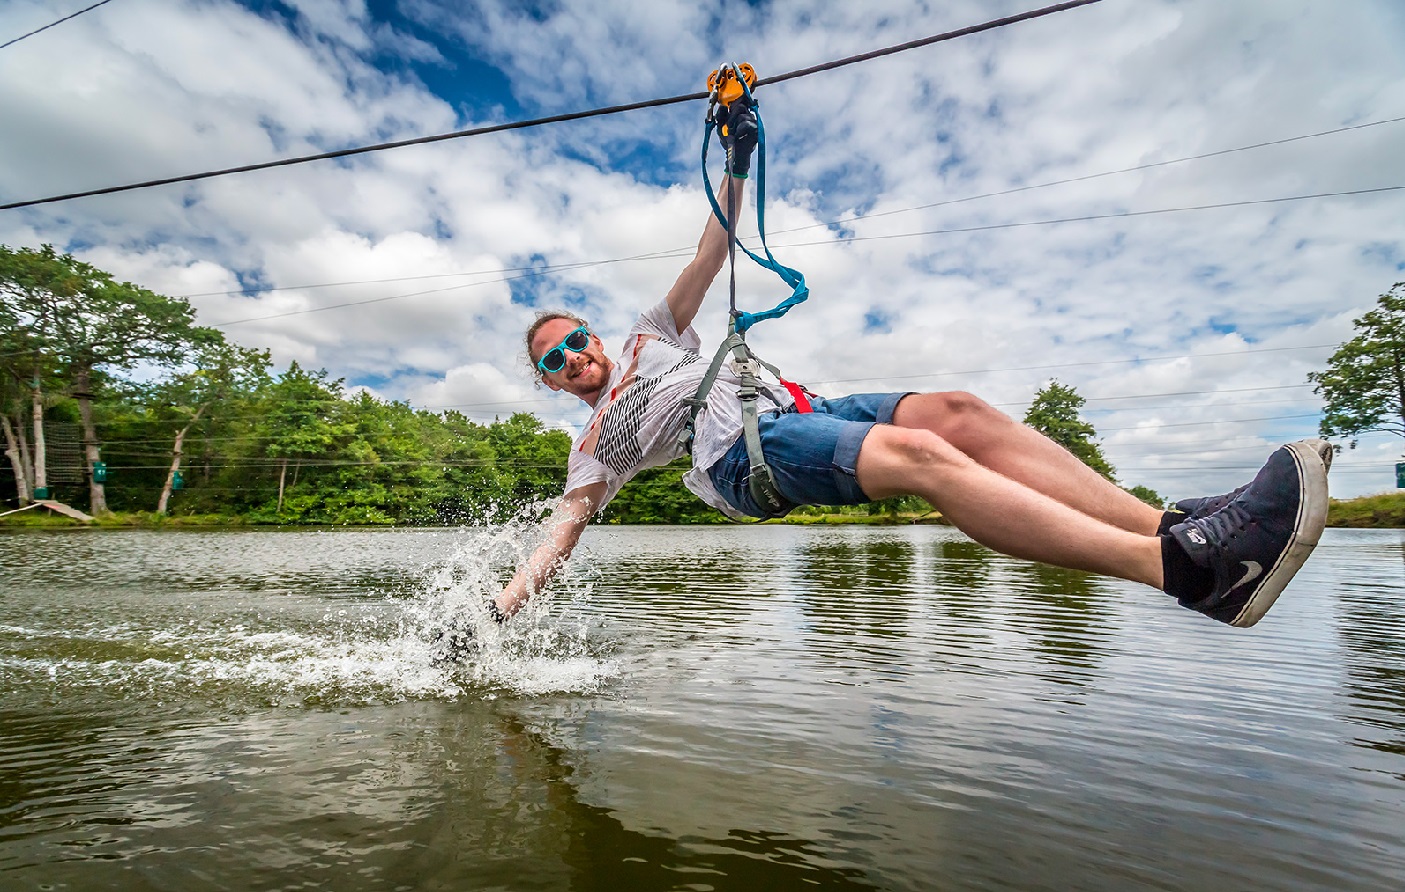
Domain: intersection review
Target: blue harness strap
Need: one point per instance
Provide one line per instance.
(792, 277)
(746, 364)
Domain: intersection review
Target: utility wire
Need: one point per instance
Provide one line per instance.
(544, 270)
(554, 119)
(52, 24)
(1093, 176)
(1063, 365)
(1157, 427)
(128, 447)
(527, 272)
(671, 252)
(1088, 217)
(125, 422)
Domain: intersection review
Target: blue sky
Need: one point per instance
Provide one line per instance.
(1190, 333)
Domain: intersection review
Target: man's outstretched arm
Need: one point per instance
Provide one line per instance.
(686, 295)
(567, 523)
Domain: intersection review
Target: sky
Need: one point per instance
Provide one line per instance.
(412, 273)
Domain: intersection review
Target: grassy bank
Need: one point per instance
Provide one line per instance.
(38, 518)
(1383, 511)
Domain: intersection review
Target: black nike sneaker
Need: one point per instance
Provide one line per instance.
(1259, 539)
(1204, 507)
(1207, 505)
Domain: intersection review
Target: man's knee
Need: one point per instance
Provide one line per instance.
(892, 459)
(956, 416)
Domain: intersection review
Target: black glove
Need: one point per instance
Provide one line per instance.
(738, 133)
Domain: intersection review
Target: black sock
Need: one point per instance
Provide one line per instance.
(1168, 520)
(1182, 578)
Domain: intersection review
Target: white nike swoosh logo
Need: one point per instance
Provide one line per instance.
(1251, 572)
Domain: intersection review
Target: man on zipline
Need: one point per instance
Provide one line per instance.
(1002, 483)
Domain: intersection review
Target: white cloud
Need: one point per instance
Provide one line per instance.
(145, 89)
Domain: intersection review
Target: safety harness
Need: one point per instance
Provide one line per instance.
(726, 85)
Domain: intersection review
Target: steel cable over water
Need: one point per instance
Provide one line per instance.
(52, 24)
(554, 119)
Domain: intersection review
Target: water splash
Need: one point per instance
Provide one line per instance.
(254, 648)
(545, 646)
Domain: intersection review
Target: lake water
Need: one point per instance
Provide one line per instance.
(698, 708)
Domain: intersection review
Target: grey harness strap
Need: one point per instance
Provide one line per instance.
(748, 368)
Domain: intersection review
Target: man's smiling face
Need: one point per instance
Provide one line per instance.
(585, 374)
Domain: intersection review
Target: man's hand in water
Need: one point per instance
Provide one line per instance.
(567, 523)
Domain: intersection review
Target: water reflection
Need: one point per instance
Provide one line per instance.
(962, 570)
(1065, 615)
(1373, 631)
(856, 587)
(723, 586)
(602, 853)
(854, 591)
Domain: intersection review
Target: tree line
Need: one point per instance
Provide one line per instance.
(171, 416)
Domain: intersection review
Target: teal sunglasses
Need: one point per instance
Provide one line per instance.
(554, 360)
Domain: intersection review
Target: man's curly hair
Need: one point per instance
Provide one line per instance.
(543, 317)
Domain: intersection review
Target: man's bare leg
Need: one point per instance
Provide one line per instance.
(995, 440)
(1000, 512)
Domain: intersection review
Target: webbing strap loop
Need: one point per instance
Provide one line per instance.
(794, 278)
(760, 481)
(746, 364)
(699, 399)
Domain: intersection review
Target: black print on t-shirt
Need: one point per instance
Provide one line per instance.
(618, 446)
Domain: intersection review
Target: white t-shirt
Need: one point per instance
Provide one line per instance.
(641, 413)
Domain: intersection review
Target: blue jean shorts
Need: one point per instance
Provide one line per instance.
(812, 455)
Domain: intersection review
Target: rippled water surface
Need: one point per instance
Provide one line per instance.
(696, 708)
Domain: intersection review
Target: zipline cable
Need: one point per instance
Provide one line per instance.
(1111, 216)
(671, 252)
(553, 119)
(52, 24)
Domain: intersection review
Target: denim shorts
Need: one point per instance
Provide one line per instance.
(812, 455)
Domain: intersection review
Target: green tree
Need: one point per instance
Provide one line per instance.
(530, 459)
(222, 379)
(30, 284)
(85, 320)
(1055, 413)
(1363, 385)
(16, 446)
(300, 421)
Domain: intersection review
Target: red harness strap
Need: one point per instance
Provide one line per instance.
(802, 400)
